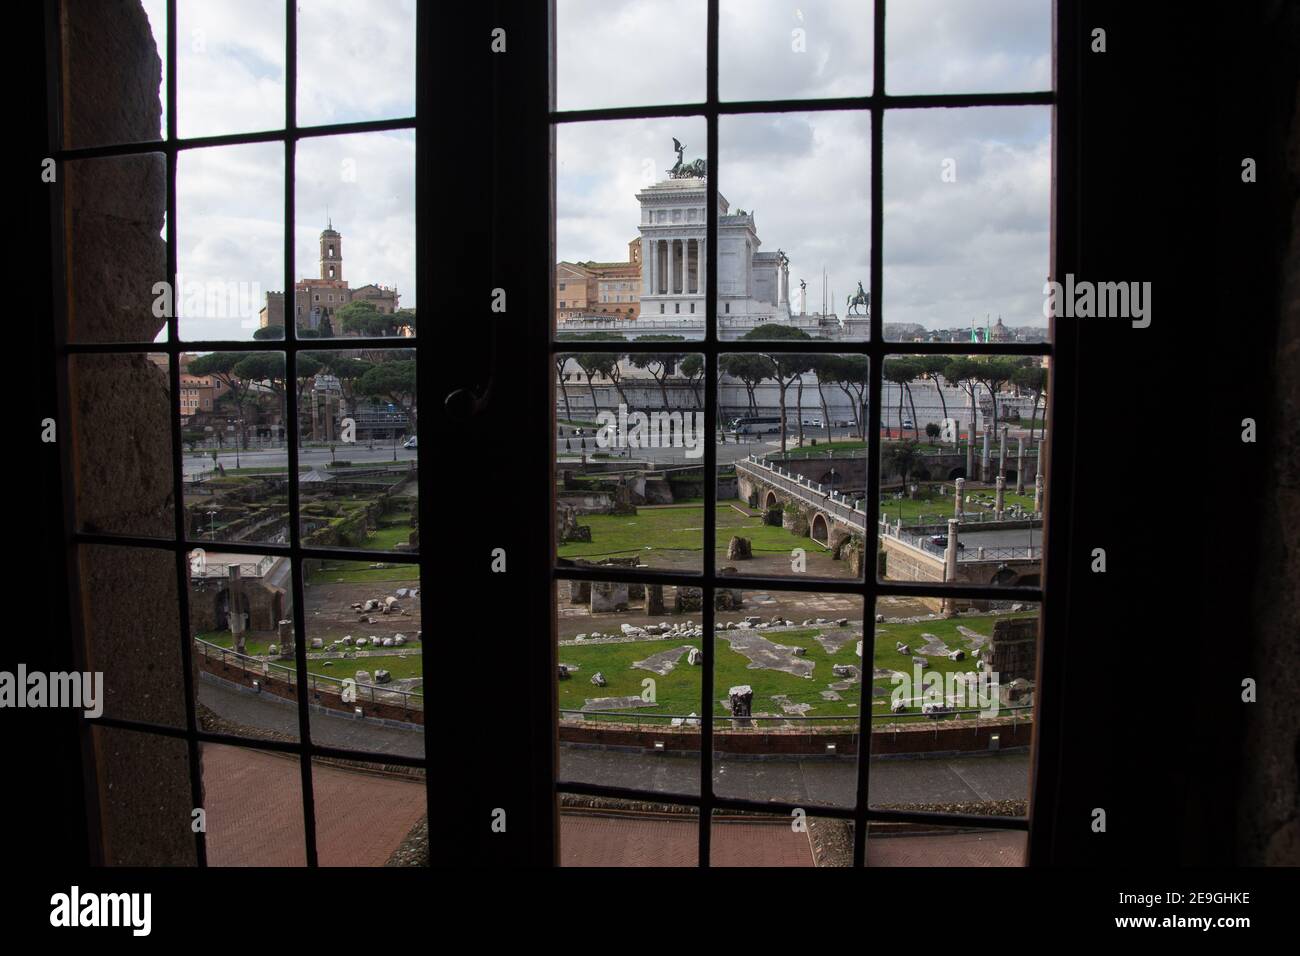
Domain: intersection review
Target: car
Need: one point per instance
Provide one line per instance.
(412, 442)
(942, 541)
(907, 423)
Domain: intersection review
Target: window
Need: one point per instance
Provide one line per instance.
(254, 526)
(901, 459)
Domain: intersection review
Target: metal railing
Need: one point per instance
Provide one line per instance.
(968, 717)
(365, 693)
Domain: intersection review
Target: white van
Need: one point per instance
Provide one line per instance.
(411, 442)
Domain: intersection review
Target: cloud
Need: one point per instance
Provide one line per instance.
(952, 250)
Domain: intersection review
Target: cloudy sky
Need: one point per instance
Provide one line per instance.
(356, 61)
(953, 250)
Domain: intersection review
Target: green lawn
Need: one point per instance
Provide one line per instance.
(360, 572)
(678, 693)
(677, 528)
(941, 506)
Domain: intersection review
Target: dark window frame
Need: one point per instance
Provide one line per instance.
(171, 146)
(1060, 350)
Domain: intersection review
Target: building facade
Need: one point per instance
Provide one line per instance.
(317, 300)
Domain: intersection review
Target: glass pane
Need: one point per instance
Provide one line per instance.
(598, 832)
(116, 209)
(902, 844)
(755, 839)
(133, 632)
(365, 655)
(392, 830)
(800, 511)
(358, 454)
(230, 238)
(611, 178)
(629, 685)
(794, 226)
(668, 33)
(147, 802)
(241, 619)
(126, 72)
(956, 504)
(967, 224)
(356, 195)
(236, 463)
(968, 46)
(356, 61)
(629, 448)
(787, 683)
(123, 461)
(253, 804)
(230, 67)
(952, 706)
(770, 49)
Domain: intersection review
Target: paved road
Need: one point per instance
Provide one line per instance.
(279, 458)
(967, 779)
(1022, 538)
(270, 713)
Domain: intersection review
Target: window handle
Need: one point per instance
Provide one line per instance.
(464, 404)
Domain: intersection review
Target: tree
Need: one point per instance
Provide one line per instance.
(221, 366)
(827, 369)
(1033, 378)
(786, 366)
(962, 371)
(561, 360)
(750, 369)
(852, 375)
(934, 368)
(692, 366)
(902, 457)
(901, 371)
(994, 373)
(658, 364)
(264, 367)
(363, 318)
(393, 382)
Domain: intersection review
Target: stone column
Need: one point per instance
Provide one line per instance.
(235, 616)
(703, 258)
(668, 270)
(959, 499)
(286, 640)
(646, 279)
(984, 457)
(1020, 465)
(956, 437)
(654, 599)
(970, 451)
(1000, 501)
(950, 564)
(1038, 462)
(1038, 494)
(1002, 451)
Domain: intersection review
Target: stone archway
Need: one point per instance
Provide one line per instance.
(770, 500)
(956, 473)
(819, 529)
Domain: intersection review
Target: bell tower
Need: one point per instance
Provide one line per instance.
(331, 253)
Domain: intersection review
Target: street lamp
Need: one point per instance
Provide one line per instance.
(212, 529)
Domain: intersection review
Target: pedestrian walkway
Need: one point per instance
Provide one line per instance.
(281, 716)
(253, 803)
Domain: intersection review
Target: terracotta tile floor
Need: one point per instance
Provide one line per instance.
(254, 811)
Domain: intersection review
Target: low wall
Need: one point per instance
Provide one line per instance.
(916, 737)
(321, 695)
